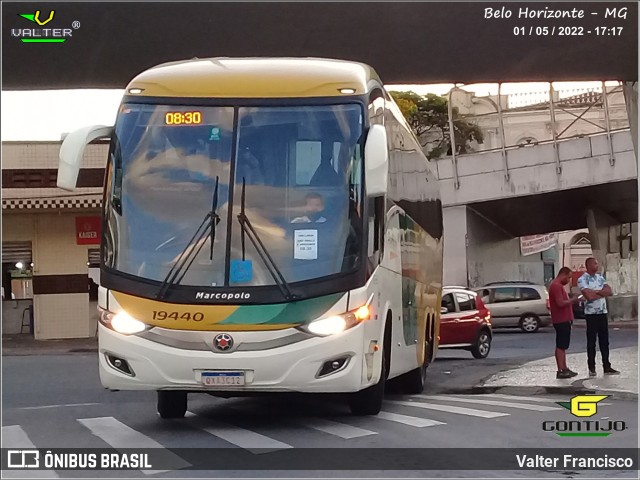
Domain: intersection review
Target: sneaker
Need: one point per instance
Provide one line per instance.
(564, 374)
(571, 372)
(592, 373)
(611, 371)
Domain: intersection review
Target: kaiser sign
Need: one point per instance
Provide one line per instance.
(537, 243)
(88, 230)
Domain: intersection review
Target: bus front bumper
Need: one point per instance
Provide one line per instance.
(289, 368)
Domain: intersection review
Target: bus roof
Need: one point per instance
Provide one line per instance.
(255, 78)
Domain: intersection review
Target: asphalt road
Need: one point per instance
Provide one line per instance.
(56, 401)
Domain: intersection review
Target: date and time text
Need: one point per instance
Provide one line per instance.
(611, 21)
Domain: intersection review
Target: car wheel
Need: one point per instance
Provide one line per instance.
(530, 323)
(172, 404)
(482, 346)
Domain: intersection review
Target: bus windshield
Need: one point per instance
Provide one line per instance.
(294, 172)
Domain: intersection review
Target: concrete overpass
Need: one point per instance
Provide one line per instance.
(490, 200)
(532, 190)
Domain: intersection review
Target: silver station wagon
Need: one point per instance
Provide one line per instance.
(517, 304)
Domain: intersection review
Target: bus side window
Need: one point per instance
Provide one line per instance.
(376, 222)
(376, 107)
(376, 206)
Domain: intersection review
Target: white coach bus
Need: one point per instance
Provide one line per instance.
(270, 225)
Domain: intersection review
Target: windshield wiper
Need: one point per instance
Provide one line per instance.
(208, 226)
(247, 228)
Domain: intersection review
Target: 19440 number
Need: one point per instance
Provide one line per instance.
(163, 315)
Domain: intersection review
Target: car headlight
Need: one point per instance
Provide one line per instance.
(337, 323)
(122, 322)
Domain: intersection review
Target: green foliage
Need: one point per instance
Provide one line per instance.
(428, 116)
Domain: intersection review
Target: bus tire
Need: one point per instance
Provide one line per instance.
(413, 382)
(172, 404)
(369, 401)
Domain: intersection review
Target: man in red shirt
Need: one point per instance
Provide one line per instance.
(561, 307)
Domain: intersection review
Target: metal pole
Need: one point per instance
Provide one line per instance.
(502, 138)
(605, 104)
(630, 90)
(452, 136)
(553, 129)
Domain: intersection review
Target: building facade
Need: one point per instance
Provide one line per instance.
(50, 242)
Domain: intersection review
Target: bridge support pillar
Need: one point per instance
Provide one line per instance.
(455, 246)
(478, 251)
(601, 226)
(616, 248)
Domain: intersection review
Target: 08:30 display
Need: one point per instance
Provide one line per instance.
(183, 118)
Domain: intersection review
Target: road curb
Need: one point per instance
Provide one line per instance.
(541, 390)
(612, 325)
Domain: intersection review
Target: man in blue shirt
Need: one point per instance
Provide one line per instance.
(595, 289)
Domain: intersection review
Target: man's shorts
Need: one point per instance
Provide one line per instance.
(563, 335)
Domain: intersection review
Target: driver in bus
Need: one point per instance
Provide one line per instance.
(313, 210)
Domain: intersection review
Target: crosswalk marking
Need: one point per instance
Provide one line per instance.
(515, 397)
(327, 426)
(408, 420)
(252, 441)
(334, 428)
(496, 403)
(451, 409)
(13, 436)
(121, 436)
(41, 407)
(530, 399)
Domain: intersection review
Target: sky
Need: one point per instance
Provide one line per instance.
(47, 114)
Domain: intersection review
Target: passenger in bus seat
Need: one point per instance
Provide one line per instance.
(326, 175)
(249, 168)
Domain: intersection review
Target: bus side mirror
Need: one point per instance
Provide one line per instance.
(72, 152)
(376, 160)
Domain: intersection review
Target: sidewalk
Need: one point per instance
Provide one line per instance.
(24, 344)
(540, 376)
(621, 324)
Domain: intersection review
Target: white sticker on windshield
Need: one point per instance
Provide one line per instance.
(305, 245)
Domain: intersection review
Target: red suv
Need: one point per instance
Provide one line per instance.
(465, 322)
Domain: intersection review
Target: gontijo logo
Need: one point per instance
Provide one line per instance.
(43, 35)
(582, 406)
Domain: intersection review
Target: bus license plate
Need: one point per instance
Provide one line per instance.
(231, 379)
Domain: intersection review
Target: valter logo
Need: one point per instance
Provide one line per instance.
(583, 406)
(50, 34)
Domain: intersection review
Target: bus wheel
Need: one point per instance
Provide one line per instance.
(369, 400)
(172, 404)
(413, 382)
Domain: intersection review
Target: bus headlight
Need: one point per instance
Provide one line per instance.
(337, 323)
(122, 322)
(328, 326)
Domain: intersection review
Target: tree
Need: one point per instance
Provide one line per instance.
(428, 117)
